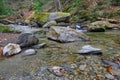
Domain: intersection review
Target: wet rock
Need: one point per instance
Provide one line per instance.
(50, 23)
(58, 71)
(39, 46)
(11, 49)
(89, 50)
(27, 40)
(66, 34)
(28, 52)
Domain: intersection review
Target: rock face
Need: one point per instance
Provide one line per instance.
(64, 34)
(11, 49)
(27, 40)
(88, 50)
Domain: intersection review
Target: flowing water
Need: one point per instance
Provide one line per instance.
(63, 54)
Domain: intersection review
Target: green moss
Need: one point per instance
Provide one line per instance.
(5, 29)
(41, 16)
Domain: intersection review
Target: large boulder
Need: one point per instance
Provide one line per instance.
(27, 40)
(11, 49)
(44, 16)
(65, 34)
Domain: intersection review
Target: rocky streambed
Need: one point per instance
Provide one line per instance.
(77, 66)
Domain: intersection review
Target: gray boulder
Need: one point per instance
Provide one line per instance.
(27, 40)
(65, 34)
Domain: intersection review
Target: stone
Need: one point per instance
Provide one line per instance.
(11, 49)
(89, 50)
(96, 28)
(82, 66)
(39, 46)
(50, 23)
(58, 71)
(45, 16)
(102, 25)
(66, 34)
(27, 40)
(28, 52)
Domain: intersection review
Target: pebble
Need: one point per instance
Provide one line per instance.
(82, 67)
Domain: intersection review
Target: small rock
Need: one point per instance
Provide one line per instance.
(109, 76)
(28, 52)
(58, 71)
(11, 49)
(88, 49)
(27, 40)
(39, 46)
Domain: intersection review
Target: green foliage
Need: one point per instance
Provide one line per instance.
(5, 29)
(4, 8)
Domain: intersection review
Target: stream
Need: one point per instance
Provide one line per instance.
(63, 54)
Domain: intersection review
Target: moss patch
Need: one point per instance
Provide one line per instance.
(41, 16)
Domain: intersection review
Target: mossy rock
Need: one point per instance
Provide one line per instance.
(45, 16)
(96, 28)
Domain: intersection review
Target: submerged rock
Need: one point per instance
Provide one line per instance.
(88, 49)
(27, 40)
(11, 49)
(58, 71)
(65, 34)
(28, 52)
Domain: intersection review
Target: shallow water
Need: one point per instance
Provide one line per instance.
(63, 54)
